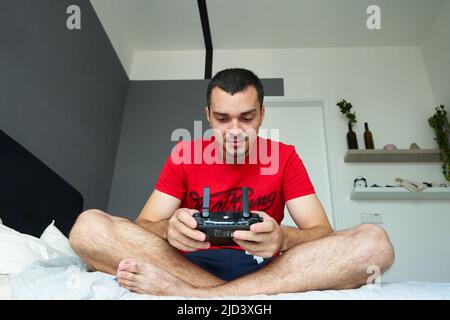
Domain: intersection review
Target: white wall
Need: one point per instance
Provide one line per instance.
(436, 53)
(168, 65)
(389, 88)
(116, 29)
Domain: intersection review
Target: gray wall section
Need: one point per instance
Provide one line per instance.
(62, 93)
(153, 110)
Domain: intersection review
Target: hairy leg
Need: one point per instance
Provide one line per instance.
(102, 241)
(338, 261)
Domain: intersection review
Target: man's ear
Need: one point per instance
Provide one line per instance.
(263, 113)
(207, 115)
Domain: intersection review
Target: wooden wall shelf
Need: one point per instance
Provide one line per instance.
(399, 193)
(399, 155)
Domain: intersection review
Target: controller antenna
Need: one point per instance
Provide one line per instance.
(205, 212)
(245, 211)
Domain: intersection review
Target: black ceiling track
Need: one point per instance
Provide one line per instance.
(207, 37)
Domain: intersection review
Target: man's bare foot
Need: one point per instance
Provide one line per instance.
(143, 277)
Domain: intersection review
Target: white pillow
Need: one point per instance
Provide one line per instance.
(55, 239)
(18, 250)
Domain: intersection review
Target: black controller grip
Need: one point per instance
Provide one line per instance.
(219, 230)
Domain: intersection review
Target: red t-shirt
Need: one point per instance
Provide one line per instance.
(266, 192)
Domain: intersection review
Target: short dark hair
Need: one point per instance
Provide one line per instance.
(235, 80)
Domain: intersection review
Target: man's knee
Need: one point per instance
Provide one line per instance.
(87, 225)
(377, 244)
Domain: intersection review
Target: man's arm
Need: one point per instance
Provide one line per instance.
(162, 216)
(158, 227)
(156, 213)
(311, 219)
(267, 238)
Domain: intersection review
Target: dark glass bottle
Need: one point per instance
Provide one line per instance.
(368, 139)
(352, 142)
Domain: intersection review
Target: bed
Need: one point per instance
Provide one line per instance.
(38, 208)
(32, 195)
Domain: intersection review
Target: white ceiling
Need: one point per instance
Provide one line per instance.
(138, 25)
(318, 23)
(152, 24)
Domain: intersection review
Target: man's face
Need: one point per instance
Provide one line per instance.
(236, 119)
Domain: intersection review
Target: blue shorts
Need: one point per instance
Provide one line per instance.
(227, 264)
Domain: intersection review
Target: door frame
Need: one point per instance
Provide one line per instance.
(274, 102)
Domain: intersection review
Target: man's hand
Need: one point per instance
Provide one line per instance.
(181, 232)
(264, 238)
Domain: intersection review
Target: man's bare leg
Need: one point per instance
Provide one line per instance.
(338, 261)
(102, 241)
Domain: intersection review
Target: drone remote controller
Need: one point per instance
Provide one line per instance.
(219, 226)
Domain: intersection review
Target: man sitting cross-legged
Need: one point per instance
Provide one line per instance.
(163, 253)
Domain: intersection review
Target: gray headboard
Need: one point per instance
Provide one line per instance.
(31, 194)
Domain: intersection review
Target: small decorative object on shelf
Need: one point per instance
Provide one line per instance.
(390, 146)
(386, 186)
(368, 139)
(345, 108)
(403, 190)
(360, 182)
(441, 126)
(438, 184)
(411, 185)
(352, 141)
(435, 184)
(414, 146)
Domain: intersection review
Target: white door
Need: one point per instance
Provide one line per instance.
(303, 127)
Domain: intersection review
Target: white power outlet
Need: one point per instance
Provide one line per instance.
(371, 217)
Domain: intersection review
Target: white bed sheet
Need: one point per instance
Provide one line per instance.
(67, 278)
(5, 287)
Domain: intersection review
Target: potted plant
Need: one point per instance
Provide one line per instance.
(345, 108)
(439, 122)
